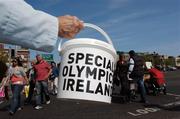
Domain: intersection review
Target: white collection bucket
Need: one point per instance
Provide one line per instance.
(87, 67)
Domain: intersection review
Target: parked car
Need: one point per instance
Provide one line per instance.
(171, 68)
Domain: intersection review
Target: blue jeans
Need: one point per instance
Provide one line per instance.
(41, 87)
(142, 89)
(16, 99)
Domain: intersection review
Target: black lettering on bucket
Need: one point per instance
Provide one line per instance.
(79, 56)
(64, 85)
(101, 74)
(110, 77)
(96, 61)
(109, 65)
(88, 73)
(80, 69)
(99, 89)
(88, 90)
(107, 90)
(70, 84)
(91, 73)
(71, 58)
(65, 71)
(89, 59)
(80, 85)
(107, 76)
(71, 71)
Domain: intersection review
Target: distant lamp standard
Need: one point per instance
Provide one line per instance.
(15, 52)
(9, 59)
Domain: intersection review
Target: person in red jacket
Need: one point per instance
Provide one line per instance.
(157, 75)
(157, 81)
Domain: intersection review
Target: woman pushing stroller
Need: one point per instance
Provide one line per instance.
(156, 81)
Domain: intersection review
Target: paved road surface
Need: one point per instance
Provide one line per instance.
(161, 107)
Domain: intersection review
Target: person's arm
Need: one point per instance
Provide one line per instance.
(24, 75)
(49, 73)
(48, 67)
(131, 66)
(57, 72)
(20, 24)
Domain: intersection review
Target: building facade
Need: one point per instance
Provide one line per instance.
(177, 60)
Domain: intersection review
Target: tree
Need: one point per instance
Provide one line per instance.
(170, 61)
(3, 56)
(148, 57)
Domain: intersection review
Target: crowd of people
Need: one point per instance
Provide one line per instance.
(42, 79)
(133, 75)
(130, 72)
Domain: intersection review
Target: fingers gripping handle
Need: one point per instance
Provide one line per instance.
(96, 28)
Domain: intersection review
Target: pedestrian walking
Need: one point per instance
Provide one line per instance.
(54, 78)
(31, 77)
(43, 71)
(122, 70)
(136, 72)
(18, 80)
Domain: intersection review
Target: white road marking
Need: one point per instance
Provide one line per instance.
(171, 94)
(139, 112)
(172, 104)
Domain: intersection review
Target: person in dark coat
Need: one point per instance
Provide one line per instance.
(136, 72)
(121, 70)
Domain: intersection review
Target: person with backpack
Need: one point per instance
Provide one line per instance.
(136, 72)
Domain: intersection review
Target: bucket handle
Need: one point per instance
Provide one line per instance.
(96, 28)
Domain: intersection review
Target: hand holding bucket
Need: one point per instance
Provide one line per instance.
(87, 68)
(88, 25)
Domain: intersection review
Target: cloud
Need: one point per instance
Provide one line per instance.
(117, 28)
(129, 17)
(111, 5)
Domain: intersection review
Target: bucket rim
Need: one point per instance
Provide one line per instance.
(87, 42)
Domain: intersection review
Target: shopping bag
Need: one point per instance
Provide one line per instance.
(26, 90)
(2, 94)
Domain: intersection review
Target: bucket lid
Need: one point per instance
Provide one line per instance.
(88, 42)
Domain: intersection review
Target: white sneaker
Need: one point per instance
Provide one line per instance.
(48, 102)
(19, 109)
(38, 107)
(1, 102)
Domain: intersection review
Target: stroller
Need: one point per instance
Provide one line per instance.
(124, 90)
(155, 82)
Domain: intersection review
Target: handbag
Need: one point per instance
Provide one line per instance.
(2, 94)
(3, 83)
